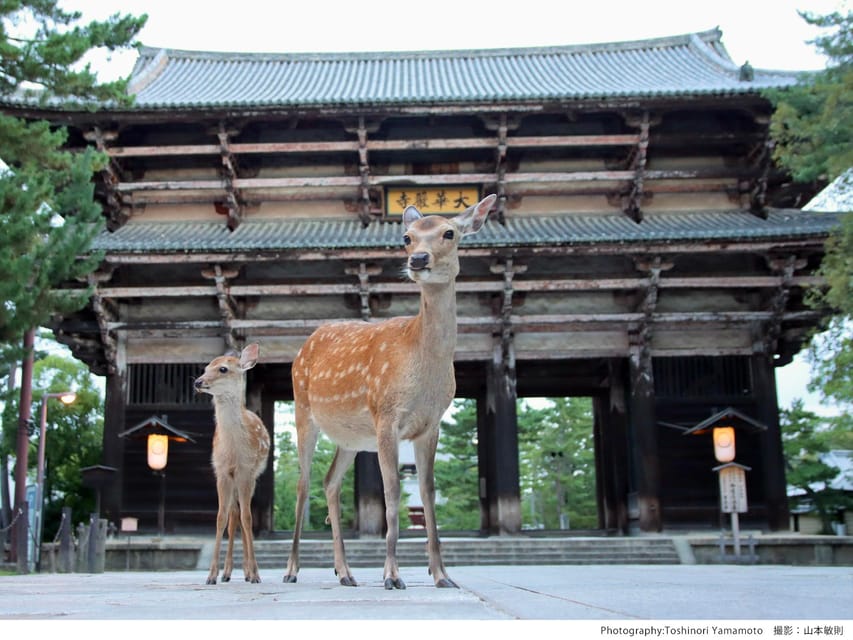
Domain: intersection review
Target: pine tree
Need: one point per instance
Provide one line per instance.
(48, 216)
(806, 437)
(812, 127)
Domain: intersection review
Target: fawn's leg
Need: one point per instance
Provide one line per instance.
(223, 490)
(250, 563)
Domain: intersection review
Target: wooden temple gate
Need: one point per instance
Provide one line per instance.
(644, 252)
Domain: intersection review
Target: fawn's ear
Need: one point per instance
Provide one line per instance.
(249, 357)
(472, 219)
(410, 215)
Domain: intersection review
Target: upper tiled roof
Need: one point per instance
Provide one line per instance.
(552, 230)
(692, 64)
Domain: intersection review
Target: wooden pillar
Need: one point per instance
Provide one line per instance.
(501, 449)
(646, 464)
(113, 446)
(612, 465)
(369, 495)
(772, 455)
(483, 464)
(262, 503)
(604, 482)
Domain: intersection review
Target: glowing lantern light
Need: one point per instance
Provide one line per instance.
(158, 451)
(724, 444)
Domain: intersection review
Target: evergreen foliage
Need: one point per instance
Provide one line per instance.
(806, 437)
(74, 436)
(813, 129)
(48, 216)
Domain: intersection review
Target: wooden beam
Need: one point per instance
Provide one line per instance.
(633, 201)
(464, 286)
(105, 316)
(424, 180)
(488, 323)
(229, 177)
(420, 144)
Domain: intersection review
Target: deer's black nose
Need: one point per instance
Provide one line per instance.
(418, 261)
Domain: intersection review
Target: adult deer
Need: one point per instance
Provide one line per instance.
(241, 446)
(368, 386)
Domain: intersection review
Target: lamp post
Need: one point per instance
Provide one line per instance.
(158, 456)
(66, 398)
(731, 475)
(157, 433)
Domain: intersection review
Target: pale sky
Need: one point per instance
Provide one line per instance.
(769, 34)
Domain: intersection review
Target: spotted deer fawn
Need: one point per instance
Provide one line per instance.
(241, 446)
(368, 386)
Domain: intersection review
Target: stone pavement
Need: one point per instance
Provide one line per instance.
(770, 593)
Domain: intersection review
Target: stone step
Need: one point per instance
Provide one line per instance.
(412, 552)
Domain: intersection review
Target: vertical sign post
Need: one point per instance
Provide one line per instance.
(733, 496)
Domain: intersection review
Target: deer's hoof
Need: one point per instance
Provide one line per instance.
(288, 579)
(446, 583)
(348, 581)
(226, 578)
(253, 579)
(394, 583)
(211, 580)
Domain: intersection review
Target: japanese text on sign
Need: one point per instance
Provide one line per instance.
(430, 200)
(733, 490)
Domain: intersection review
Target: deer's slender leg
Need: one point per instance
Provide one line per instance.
(425, 461)
(334, 479)
(245, 489)
(233, 515)
(389, 467)
(222, 513)
(307, 441)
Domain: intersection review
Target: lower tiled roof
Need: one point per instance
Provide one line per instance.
(529, 231)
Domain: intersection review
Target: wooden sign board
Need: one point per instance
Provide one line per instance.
(430, 200)
(733, 490)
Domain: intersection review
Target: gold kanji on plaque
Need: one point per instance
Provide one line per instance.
(430, 200)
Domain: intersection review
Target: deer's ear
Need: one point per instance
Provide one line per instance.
(472, 219)
(410, 215)
(249, 356)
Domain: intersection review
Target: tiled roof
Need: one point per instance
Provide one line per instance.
(692, 64)
(558, 230)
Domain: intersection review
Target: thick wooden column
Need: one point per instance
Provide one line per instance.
(369, 495)
(646, 463)
(113, 446)
(262, 503)
(611, 447)
(772, 455)
(498, 453)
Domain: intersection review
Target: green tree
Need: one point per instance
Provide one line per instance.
(805, 438)
(557, 454)
(457, 477)
(812, 127)
(48, 216)
(812, 124)
(73, 440)
(287, 477)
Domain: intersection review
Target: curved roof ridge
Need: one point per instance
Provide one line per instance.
(678, 65)
(710, 35)
(146, 71)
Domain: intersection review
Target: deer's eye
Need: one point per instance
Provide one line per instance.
(223, 369)
(448, 235)
(407, 240)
